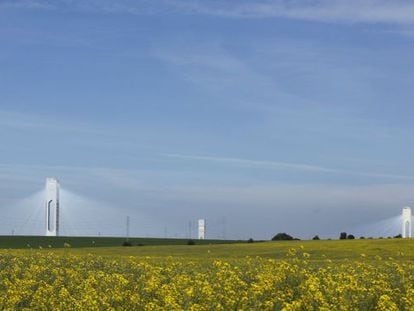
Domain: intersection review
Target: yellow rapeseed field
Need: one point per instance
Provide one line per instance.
(48, 280)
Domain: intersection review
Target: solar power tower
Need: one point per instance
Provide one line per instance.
(201, 229)
(52, 207)
(406, 225)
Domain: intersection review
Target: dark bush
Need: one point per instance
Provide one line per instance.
(250, 240)
(191, 242)
(342, 236)
(350, 237)
(282, 237)
(316, 238)
(126, 243)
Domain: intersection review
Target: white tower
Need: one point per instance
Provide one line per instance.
(406, 222)
(201, 229)
(52, 207)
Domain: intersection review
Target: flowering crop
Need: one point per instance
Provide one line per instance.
(46, 280)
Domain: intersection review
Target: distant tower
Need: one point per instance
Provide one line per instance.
(201, 229)
(406, 222)
(52, 207)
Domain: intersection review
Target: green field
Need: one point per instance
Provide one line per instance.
(400, 249)
(75, 242)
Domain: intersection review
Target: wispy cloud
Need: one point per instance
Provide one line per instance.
(103, 6)
(212, 67)
(273, 165)
(371, 11)
(26, 4)
(28, 121)
(353, 11)
(255, 163)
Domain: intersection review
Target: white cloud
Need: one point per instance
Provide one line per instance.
(300, 196)
(350, 11)
(60, 124)
(272, 165)
(26, 4)
(254, 163)
(370, 11)
(28, 121)
(212, 67)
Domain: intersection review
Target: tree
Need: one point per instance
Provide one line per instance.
(399, 236)
(350, 237)
(316, 238)
(282, 237)
(250, 240)
(342, 236)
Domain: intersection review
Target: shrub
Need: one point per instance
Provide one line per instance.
(343, 236)
(282, 237)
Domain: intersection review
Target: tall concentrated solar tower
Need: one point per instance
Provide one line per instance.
(406, 222)
(201, 229)
(52, 207)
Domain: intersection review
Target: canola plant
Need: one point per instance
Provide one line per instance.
(44, 280)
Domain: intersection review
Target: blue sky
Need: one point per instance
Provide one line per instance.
(247, 113)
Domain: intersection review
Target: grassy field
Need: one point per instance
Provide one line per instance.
(401, 249)
(75, 242)
(337, 250)
(294, 275)
(341, 250)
